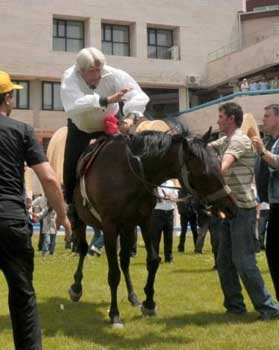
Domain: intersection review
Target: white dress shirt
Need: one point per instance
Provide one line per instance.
(83, 103)
(166, 204)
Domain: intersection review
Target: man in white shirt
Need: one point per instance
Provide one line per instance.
(162, 220)
(90, 91)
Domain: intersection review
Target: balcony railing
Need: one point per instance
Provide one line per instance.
(226, 98)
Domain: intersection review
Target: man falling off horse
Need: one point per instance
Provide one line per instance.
(90, 92)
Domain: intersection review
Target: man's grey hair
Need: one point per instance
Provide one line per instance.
(274, 107)
(90, 57)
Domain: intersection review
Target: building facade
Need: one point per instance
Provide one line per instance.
(164, 47)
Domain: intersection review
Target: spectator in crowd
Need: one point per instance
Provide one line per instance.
(162, 220)
(212, 225)
(49, 230)
(263, 84)
(96, 243)
(187, 215)
(253, 86)
(18, 146)
(236, 253)
(271, 126)
(244, 85)
(91, 91)
(38, 206)
(274, 83)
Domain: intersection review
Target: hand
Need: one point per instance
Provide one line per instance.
(125, 125)
(118, 97)
(258, 144)
(65, 222)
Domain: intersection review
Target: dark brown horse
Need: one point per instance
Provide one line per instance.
(120, 185)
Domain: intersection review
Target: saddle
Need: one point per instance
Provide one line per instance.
(89, 155)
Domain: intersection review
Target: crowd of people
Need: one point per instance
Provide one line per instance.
(90, 91)
(259, 84)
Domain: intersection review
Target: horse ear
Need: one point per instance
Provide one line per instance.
(207, 135)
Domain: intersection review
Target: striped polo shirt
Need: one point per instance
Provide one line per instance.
(239, 177)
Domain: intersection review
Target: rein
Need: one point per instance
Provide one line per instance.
(184, 172)
(146, 183)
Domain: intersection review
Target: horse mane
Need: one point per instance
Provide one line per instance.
(150, 144)
(198, 148)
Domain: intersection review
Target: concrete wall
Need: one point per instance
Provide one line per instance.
(199, 121)
(252, 59)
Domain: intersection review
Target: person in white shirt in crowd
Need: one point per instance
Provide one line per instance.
(90, 91)
(244, 85)
(162, 220)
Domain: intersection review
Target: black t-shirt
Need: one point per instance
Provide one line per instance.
(18, 146)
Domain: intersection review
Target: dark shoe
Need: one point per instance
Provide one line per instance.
(236, 312)
(180, 249)
(269, 316)
(169, 260)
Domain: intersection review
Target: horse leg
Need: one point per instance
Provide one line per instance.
(75, 291)
(110, 238)
(126, 242)
(152, 264)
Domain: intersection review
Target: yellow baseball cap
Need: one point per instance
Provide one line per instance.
(6, 85)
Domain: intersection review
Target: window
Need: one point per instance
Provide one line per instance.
(68, 35)
(51, 96)
(159, 43)
(115, 40)
(21, 97)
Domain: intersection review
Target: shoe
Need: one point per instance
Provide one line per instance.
(268, 316)
(180, 249)
(236, 312)
(169, 260)
(95, 250)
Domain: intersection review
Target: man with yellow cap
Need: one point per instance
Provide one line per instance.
(18, 146)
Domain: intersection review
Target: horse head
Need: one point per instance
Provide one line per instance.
(201, 174)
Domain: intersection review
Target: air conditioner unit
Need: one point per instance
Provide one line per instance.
(174, 52)
(193, 80)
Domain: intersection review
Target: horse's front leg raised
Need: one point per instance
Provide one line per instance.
(110, 237)
(152, 264)
(75, 291)
(126, 241)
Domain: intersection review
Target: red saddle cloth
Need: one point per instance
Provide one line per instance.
(89, 155)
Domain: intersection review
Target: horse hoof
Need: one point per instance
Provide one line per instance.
(73, 295)
(148, 312)
(133, 299)
(117, 325)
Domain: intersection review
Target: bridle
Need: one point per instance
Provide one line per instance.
(184, 174)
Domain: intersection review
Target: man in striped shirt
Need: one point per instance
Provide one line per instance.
(236, 254)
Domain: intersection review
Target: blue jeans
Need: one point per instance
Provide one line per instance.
(236, 258)
(98, 239)
(49, 242)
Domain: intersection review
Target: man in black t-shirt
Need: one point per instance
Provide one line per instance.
(18, 146)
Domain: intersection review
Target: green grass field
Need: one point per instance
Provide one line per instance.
(190, 312)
